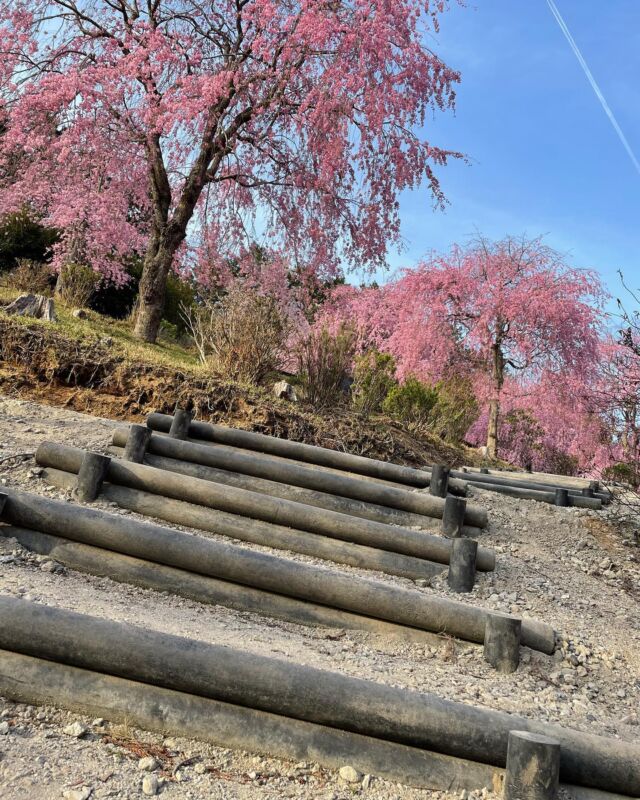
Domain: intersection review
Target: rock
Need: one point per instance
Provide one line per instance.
(79, 313)
(366, 781)
(170, 744)
(283, 390)
(148, 764)
(350, 775)
(76, 729)
(32, 305)
(4, 728)
(150, 785)
(50, 566)
(200, 768)
(77, 794)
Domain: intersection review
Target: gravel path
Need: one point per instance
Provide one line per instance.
(576, 569)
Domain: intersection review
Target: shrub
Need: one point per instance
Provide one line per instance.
(324, 362)
(23, 237)
(623, 472)
(411, 402)
(455, 410)
(242, 335)
(373, 379)
(77, 283)
(32, 276)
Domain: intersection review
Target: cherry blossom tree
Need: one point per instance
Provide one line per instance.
(139, 122)
(491, 310)
(616, 396)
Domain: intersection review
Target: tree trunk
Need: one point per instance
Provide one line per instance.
(492, 433)
(152, 290)
(494, 404)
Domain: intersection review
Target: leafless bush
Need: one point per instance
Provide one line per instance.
(373, 379)
(241, 336)
(35, 277)
(77, 283)
(324, 362)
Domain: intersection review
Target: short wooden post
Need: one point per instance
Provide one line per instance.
(93, 471)
(137, 443)
(502, 641)
(180, 424)
(439, 482)
(453, 516)
(533, 767)
(462, 564)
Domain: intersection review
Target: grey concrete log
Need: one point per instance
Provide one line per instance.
(488, 480)
(204, 589)
(578, 501)
(263, 466)
(207, 557)
(439, 483)
(456, 486)
(453, 517)
(259, 506)
(257, 532)
(533, 767)
(297, 450)
(562, 498)
(325, 698)
(568, 481)
(343, 505)
(91, 474)
(137, 442)
(179, 428)
(462, 567)
(502, 641)
(25, 679)
(519, 481)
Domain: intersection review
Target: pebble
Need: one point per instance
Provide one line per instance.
(148, 764)
(4, 728)
(150, 785)
(350, 775)
(77, 794)
(75, 729)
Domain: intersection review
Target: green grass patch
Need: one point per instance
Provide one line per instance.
(167, 352)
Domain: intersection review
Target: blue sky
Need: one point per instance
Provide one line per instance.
(544, 157)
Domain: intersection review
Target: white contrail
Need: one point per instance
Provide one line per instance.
(594, 85)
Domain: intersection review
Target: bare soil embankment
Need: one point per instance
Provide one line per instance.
(91, 372)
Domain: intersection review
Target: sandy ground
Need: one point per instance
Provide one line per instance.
(578, 570)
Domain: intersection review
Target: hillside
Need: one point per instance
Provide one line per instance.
(95, 365)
